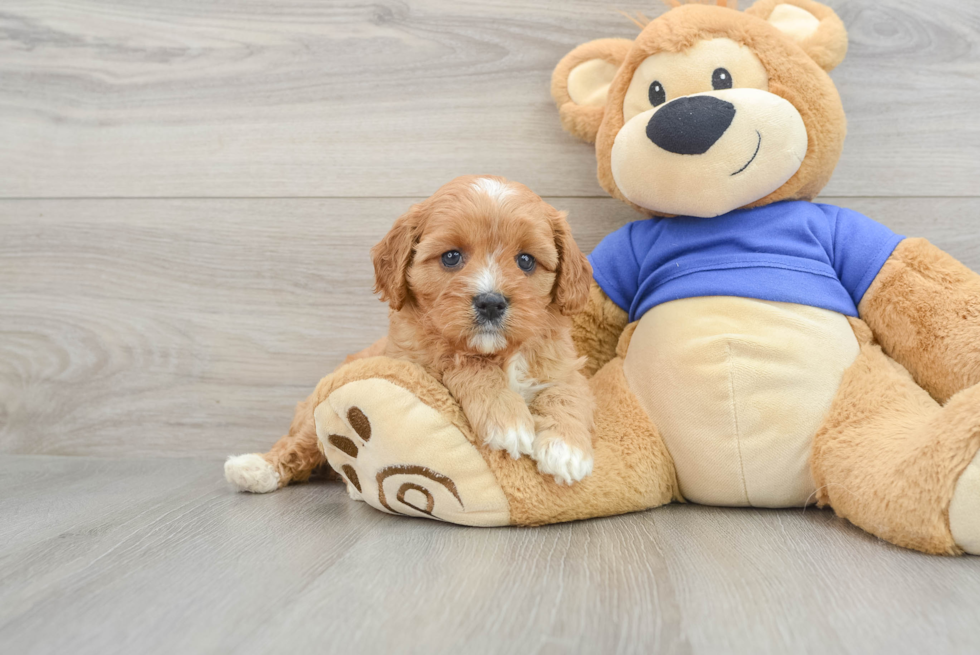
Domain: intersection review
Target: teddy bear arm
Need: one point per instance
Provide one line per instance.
(924, 310)
(597, 328)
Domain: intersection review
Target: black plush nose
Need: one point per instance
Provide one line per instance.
(489, 306)
(690, 125)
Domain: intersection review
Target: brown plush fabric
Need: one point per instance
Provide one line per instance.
(828, 45)
(633, 470)
(924, 309)
(624, 339)
(584, 122)
(888, 456)
(596, 329)
(402, 373)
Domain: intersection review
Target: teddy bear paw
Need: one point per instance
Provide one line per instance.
(964, 509)
(402, 456)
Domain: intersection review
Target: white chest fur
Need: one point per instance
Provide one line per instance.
(519, 379)
(738, 388)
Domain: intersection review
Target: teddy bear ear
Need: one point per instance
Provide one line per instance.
(581, 81)
(813, 26)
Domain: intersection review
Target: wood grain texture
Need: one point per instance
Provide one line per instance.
(144, 556)
(185, 327)
(390, 98)
(189, 325)
(192, 327)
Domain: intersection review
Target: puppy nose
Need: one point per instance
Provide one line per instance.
(690, 125)
(489, 306)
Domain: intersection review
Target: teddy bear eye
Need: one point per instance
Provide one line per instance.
(451, 258)
(657, 94)
(721, 79)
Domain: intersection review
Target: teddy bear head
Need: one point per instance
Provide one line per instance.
(711, 109)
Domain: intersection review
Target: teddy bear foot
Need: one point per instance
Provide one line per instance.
(402, 456)
(964, 509)
(403, 445)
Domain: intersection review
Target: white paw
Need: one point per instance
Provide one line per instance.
(516, 440)
(567, 463)
(251, 473)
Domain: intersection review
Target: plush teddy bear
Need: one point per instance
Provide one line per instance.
(746, 346)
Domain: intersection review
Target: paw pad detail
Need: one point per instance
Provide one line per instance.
(351, 476)
(401, 456)
(343, 444)
(416, 472)
(430, 502)
(359, 422)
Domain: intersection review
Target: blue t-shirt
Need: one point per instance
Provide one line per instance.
(792, 251)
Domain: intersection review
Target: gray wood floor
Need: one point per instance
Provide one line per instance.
(156, 556)
(188, 191)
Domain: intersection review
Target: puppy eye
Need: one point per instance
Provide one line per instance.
(525, 262)
(721, 79)
(657, 94)
(451, 259)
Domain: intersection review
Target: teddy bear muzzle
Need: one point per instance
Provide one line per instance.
(709, 153)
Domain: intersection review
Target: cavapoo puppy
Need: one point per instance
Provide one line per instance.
(481, 278)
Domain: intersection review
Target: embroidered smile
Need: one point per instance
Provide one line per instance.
(754, 154)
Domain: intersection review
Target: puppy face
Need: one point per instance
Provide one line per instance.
(483, 264)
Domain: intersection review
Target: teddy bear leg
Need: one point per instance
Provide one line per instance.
(403, 445)
(894, 462)
(964, 508)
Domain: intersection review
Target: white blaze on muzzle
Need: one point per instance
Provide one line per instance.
(487, 280)
(709, 153)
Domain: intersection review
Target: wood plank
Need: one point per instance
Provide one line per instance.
(192, 327)
(381, 98)
(160, 557)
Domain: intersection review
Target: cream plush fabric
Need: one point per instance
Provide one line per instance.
(384, 470)
(738, 388)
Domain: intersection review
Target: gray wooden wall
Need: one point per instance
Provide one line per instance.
(188, 190)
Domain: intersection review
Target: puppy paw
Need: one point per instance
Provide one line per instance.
(517, 439)
(251, 473)
(556, 457)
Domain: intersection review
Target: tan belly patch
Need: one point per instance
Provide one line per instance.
(737, 388)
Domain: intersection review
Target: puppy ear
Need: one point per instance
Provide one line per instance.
(393, 255)
(574, 275)
(581, 81)
(811, 25)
